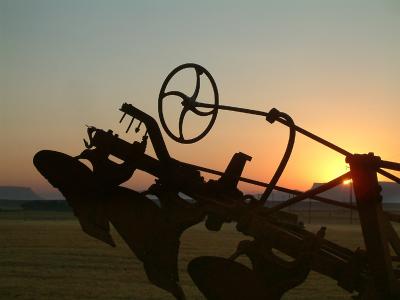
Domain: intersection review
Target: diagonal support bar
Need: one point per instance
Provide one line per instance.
(310, 193)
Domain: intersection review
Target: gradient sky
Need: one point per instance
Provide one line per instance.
(334, 66)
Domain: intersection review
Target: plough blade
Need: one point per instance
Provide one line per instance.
(223, 279)
(152, 234)
(147, 229)
(75, 181)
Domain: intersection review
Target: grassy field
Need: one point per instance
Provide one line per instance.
(47, 256)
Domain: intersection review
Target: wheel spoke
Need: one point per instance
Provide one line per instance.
(181, 95)
(181, 118)
(202, 113)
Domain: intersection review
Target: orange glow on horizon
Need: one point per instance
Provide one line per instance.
(347, 182)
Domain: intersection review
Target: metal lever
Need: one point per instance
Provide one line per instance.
(130, 124)
(123, 116)
(138, 127)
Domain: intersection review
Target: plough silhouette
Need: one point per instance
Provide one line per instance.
(152, 230)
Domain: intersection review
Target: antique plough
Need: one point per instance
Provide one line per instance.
(152, 222)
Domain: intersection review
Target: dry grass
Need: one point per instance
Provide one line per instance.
(41, 259)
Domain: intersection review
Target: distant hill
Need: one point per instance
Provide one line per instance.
(46, 205)
(18, 193)
(390, 192)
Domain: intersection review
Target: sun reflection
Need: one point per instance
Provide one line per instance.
(347, 181)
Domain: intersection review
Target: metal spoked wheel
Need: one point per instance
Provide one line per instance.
(188, 103)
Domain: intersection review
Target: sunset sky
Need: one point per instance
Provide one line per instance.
(334, 66)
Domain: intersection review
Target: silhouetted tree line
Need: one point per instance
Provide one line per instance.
(46, 205)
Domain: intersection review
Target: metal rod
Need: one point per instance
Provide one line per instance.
(233, 108)
(280, 120)
(389, 175)
(390, 165)
(351, 200)
(391, 216)
(310, 193)
(278, 188)
(284, 160)
(384, 164)
(123, 116)
(130, 124)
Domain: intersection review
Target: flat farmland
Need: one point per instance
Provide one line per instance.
(47, 256)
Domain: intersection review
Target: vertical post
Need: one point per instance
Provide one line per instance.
(367, 191)
(351, 200)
